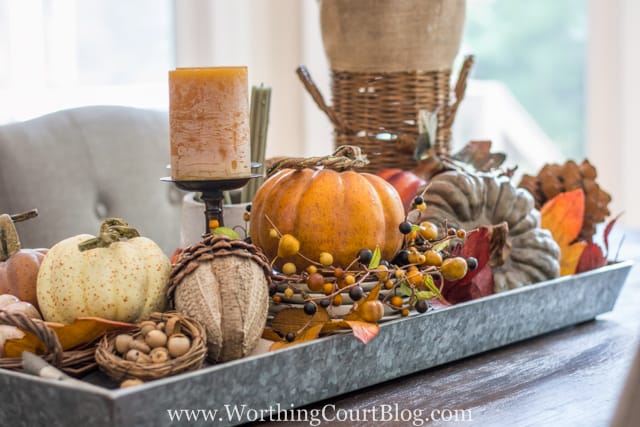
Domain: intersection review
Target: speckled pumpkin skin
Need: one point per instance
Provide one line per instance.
(124, 282)
(468, 201)
(328, 211)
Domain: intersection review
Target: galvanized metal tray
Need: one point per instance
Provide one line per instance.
(265, 382)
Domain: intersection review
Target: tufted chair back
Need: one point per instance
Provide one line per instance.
(82, 165)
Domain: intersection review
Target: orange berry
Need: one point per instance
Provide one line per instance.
(312, 269)
(338, 272)
(325, 258)
(428, 230)
(328, 288)
(388, 284)
(315, 282)
(415, 277)
(461, 233)
(454, 268)
(414, 257)
(405, 312)
(273, 233)
(214, 223)
(396, 301)
(371, 311)
(277, 299)
(289, 268)
(288, 246)
(349, 279)
(337, 300)
(382, 272)
(288, 293)
(433, 258)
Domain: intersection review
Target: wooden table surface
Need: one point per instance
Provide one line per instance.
(571, 377)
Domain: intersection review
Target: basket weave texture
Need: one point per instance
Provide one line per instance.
(389, 60)
(120, 369)
(76, 362)
(378, 111)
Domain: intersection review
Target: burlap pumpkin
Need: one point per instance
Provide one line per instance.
(223, 284)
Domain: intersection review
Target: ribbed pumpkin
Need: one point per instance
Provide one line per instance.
(18, 267)
(327, 211)
(468, 200)
(103, 277)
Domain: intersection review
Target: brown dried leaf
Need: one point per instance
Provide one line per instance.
(83, 330)
(270, 334)
(309, 334)
(294, 319)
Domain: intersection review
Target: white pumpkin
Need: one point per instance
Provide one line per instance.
(124, 281)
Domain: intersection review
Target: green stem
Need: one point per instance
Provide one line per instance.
(112, 230)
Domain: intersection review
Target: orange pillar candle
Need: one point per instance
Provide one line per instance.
(209, 123)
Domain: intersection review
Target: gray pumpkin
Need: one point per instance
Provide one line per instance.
(468, 201)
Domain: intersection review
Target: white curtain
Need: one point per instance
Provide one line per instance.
(613, 101)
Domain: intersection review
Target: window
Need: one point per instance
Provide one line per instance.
(536, 52)
(64, 53)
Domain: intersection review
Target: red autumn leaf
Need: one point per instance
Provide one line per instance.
(563, 216)
(480, 286)
(607, 231)
(479, 282)
(591, 258)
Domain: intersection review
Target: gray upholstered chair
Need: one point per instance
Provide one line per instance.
(82, 165)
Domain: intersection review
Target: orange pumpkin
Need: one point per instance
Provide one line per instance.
(327, 211)
(18, 267)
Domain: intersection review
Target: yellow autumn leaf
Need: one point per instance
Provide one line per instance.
(570, 256)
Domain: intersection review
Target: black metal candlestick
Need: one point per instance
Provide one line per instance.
(212, 194)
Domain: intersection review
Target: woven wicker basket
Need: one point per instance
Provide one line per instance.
(378, 111)
(76, 362)
(120, 369)
(390, 59)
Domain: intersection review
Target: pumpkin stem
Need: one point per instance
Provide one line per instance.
(9, 240)
(111, 230)
(345, 157)
(23, 216)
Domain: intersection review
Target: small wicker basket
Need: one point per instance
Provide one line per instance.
(120, 369)
(76, 362)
